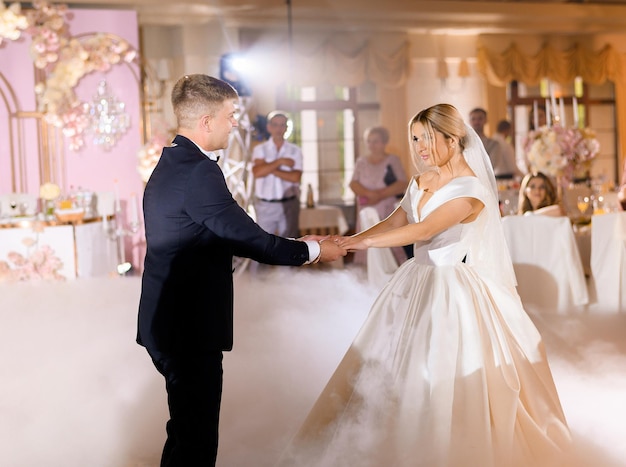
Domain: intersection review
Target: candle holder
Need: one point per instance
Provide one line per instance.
(117, 232)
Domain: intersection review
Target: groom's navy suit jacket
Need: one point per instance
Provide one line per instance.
(193, 229)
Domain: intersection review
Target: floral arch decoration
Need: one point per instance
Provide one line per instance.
(62, 60)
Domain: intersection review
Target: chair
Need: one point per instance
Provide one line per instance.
(547, 262)
(381, 263)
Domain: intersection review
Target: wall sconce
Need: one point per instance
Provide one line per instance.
(442, 69)
(464, 70)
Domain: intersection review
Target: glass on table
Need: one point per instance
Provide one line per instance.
(13, 206)
(583, 204)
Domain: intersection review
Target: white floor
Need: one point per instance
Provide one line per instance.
(76, 391)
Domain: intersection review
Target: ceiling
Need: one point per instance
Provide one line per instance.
(449, 16)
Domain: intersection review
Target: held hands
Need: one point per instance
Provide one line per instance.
(329, 247)
(371, 198)
(347, 243)
(330, 250)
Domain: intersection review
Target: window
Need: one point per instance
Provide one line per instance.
(327, 127)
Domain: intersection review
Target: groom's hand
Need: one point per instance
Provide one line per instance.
(330, 251)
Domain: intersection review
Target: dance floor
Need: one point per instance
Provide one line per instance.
(76, 391)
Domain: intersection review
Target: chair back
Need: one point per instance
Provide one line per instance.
(547, 262)
(381, 263)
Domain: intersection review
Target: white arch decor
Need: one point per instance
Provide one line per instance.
(235, 162)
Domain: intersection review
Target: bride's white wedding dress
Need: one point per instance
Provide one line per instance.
(447, 370)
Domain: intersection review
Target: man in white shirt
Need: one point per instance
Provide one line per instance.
(277, 171)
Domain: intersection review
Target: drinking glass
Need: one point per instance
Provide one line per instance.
(583, 204)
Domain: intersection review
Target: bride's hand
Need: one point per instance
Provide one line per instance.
(352, 243)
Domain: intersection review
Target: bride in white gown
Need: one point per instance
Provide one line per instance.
(448, 370)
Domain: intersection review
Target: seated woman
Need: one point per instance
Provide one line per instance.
(537, 195)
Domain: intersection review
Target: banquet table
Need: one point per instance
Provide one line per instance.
(608, 261)
(29, 247)
(547, 262)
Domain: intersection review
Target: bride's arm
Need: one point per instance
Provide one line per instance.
(396, 219)
(389, 233)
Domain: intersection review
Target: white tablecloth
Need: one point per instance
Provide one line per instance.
(608, 261)
(547, 262)
(83, 249)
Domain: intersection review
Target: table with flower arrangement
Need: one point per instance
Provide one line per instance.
(32, 248)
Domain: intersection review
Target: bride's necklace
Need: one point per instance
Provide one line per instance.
(431, 190)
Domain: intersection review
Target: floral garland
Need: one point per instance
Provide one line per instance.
(12, 22)
(66, 60)
(561, 152)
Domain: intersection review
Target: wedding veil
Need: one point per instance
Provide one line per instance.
(488, 252)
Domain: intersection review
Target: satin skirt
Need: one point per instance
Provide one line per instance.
(448, 370)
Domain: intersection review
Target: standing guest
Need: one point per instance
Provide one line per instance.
(506, 168)
(379, 180)
(277, 171)
(194, 227)
(537, 195)
(478, 120)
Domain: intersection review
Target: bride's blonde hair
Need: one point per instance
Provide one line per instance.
(445, 119)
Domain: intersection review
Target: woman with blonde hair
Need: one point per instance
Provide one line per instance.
(447, 370)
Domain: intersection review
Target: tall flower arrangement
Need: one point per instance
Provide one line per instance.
(565, 153)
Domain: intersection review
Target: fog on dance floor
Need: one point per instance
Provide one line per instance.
(76, 391)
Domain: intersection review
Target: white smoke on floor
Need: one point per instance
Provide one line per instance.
(76, 391)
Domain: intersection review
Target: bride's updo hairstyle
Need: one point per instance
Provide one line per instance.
(445, 119)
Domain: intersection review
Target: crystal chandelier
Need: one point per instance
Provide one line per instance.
(108, 118)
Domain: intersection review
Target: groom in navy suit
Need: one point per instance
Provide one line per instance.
(194, 227)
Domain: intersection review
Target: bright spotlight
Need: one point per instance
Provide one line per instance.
(233, 69)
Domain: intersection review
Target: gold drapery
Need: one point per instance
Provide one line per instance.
(561, 66)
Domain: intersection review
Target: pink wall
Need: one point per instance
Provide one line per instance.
(91, 168)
